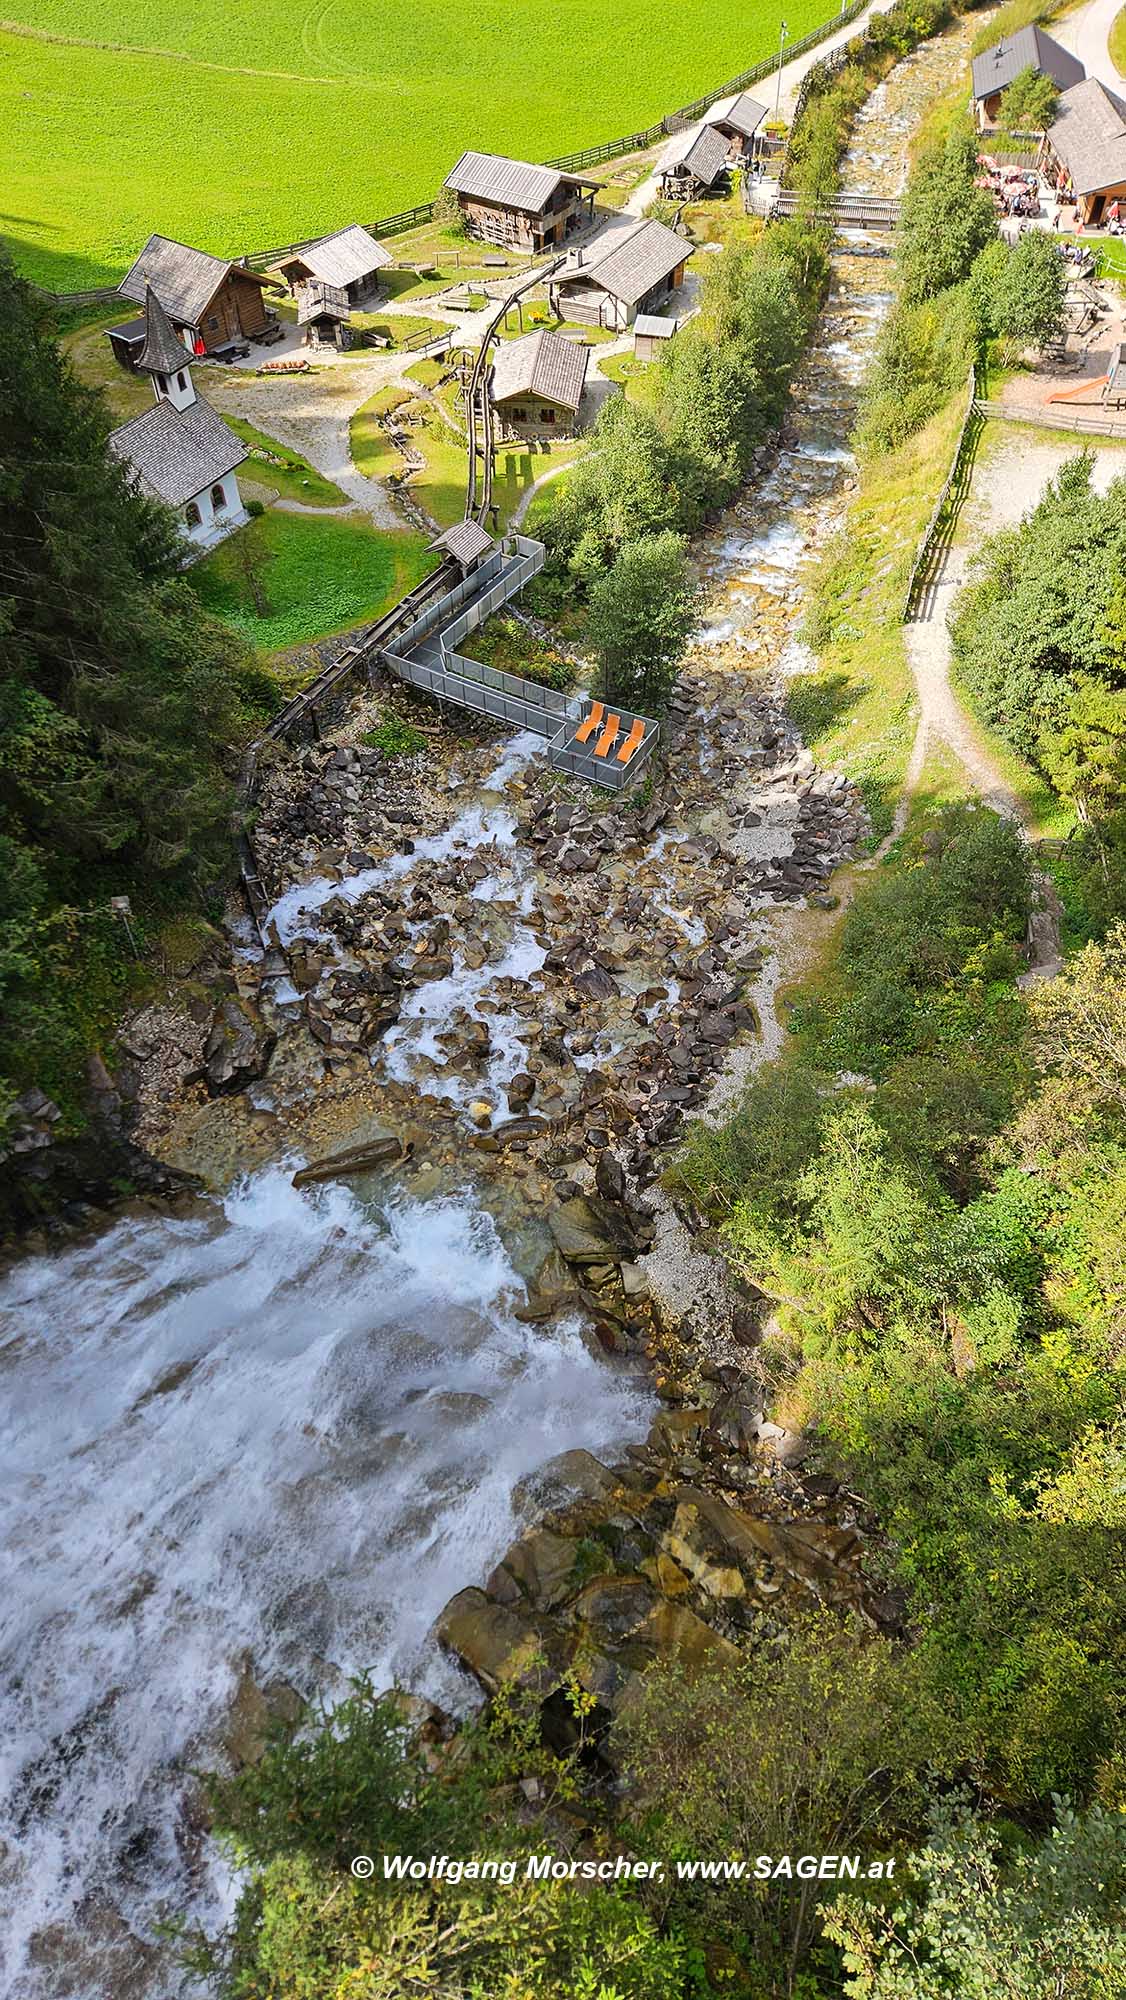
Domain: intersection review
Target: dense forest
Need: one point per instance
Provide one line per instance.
(121, 706)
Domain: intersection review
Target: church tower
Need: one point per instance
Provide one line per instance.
(165, 357)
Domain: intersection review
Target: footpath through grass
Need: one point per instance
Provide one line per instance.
(285, 472)
(857, 709)
(317, 576)
(239, 129)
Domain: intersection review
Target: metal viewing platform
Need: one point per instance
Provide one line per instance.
(577, 729)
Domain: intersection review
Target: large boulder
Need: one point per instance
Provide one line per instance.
(238, 1048)
(353, 1160)
(588, 1230)
(498, 1645)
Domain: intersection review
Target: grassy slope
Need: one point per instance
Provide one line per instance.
(291, 479)
(1116, 42)
(308, 118)
(857, 711)
(321, 576)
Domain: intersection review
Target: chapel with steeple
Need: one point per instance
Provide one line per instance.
(181, 451)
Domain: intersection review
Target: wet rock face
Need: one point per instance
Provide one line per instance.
(238, 1048)
(65, 1180)
(689, 1551)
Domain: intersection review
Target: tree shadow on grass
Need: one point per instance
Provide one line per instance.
(815, 703)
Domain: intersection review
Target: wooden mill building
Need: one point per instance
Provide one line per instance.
(697, 159)
(537, 384)
(181, 451)
(348, 263)
(633, 268)
(520, 206)
(209, 300)
(997, 67)
(738, 120)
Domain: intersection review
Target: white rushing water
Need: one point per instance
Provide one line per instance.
(285, 1428)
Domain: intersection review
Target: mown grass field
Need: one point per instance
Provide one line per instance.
(239, 128)
(319, 577)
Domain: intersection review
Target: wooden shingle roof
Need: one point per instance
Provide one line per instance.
(344, 258)
(509, 183)
(184, 280)
(634, 260)
(541, 364)
(741, 113)
(465, 541)
(163, 352)
(701, 152)
(1089, 136)
(177, 453)
(1027, 48)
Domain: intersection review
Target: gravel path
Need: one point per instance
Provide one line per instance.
(1085, 34)
(312, 413)
(1008, 480)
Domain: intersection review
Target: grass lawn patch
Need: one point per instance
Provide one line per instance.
(401, 329)
(637, 378)
(319, 577)
(518, 465)
(91, 357)
(1116, 42)
(428, 372)
(722, 220)
(372, 450)
(238, 129)
(507, 645)
(440, 485)
(291, 476)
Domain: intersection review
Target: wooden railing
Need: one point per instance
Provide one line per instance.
(929, 541)
(1092, 423)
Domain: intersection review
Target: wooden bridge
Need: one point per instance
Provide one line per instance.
(843, 211)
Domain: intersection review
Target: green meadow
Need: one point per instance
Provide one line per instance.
(238, 127)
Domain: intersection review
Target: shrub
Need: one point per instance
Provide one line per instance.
(395, 737)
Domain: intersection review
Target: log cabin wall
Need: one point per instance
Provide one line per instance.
(237, 311)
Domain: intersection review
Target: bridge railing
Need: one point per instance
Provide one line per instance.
(451, 677)
(578, 762)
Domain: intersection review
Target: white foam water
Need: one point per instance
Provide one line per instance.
(287, 1428)
(479, 826)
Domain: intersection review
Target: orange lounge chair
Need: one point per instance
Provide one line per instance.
(587, 728)
(608, 737)
(632, 742)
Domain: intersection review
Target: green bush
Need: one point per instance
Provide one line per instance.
(395, 737)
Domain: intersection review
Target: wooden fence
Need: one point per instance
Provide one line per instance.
(930, 536)
(97, 296)
(1091, 423)
(589, 156)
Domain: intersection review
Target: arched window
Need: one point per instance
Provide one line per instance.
(218, 499)
(192, 515)
(181, 380)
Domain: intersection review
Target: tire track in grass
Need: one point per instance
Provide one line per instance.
(26, 34)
